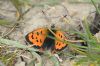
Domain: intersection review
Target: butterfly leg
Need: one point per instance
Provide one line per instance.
(53, 51)
(41, 49)
(30, 46)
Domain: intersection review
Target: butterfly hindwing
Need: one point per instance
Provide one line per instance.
(37, 37)
(59, 45)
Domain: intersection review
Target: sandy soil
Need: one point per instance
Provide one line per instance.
(35, 19)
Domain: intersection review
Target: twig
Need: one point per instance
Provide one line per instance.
(10, 30)
(48, 20)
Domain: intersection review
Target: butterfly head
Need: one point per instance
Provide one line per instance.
(52, 26)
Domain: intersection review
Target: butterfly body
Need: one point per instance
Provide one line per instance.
(42, 38)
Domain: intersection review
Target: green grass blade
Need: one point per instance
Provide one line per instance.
(38, 58)
(17, 4)
(97, 9)
(55, 60)
(87, 29)
(83, 1)
(15, 44)
(4, 22)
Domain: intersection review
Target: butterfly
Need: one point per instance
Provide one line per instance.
(47, 39)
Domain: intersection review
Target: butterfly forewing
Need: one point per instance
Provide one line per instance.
(37, 37)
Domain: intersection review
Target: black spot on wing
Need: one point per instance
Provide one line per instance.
(37, 41)
(32, 37)
(59, 44)
(37, 33)
(36, 37)
(40, 41)
(61, 36)
(41, 32)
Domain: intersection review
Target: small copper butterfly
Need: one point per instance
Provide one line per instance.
(40, 39)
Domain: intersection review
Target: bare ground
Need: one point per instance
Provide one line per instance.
(35, 19)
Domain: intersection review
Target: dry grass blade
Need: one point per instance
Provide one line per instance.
(9, 31)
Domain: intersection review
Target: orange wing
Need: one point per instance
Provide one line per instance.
(37, 37)
(59, 45)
